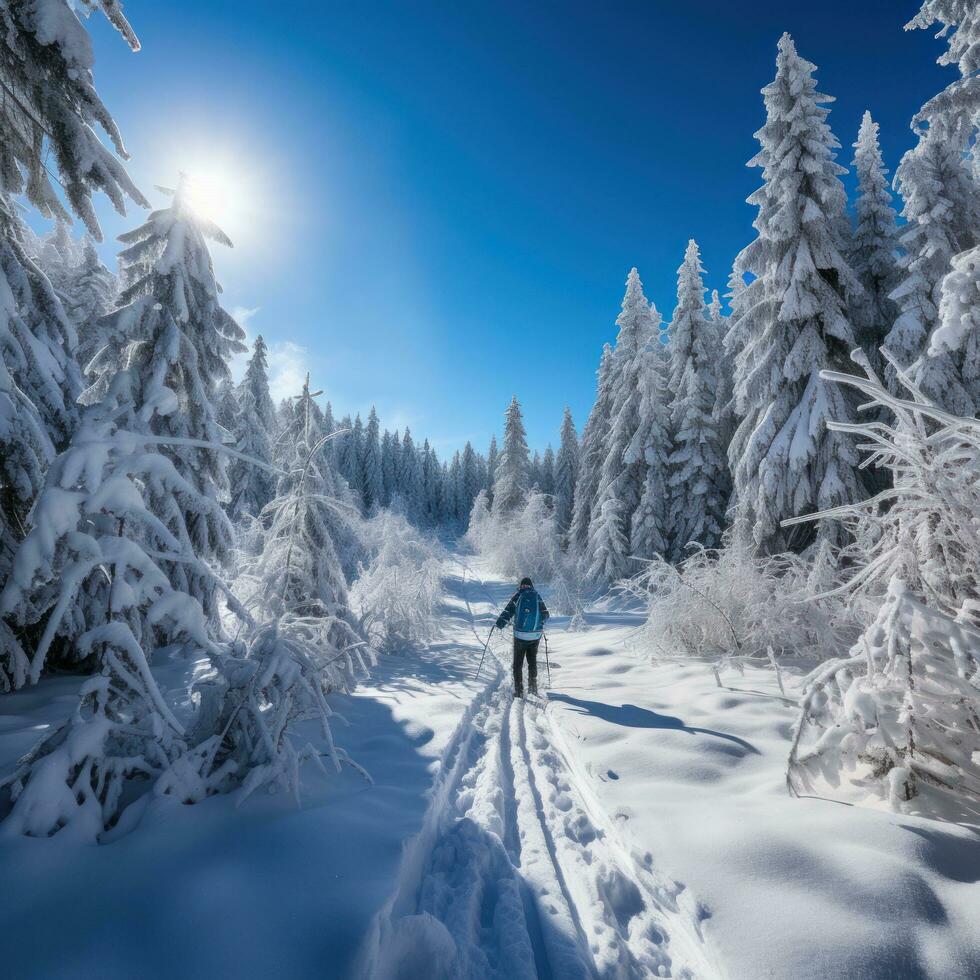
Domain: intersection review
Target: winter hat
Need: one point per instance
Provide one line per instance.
(526, 581)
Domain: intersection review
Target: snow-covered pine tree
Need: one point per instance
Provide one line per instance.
(90, 572)
(957, 108)
(619, 481)
(388, 467)
(300, 570)
(49, 119)
(471, 481)
(959, 320)
(251, 486)
(534, 472)
(566, 472)
(493, 458)
(942, 210)
(650, 447)
(58, 257)
(791, 321)
(372, 480)
(698, 468)
(454, 491)
(724, 410)
(944, 213)
(591, 455)
(548, 470)
(350, 452)
(176, 340)
(873, 251)
(410, 479)
(512, 476)
(430, 475)
(226, 406)
(89, 295)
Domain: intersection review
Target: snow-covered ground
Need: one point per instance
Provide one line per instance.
(634, 824)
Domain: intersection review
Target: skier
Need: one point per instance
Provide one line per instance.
(530, 614)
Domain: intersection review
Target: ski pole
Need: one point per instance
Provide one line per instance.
(485, 645)
(547, 659)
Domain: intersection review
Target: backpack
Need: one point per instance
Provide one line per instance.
(527, 615)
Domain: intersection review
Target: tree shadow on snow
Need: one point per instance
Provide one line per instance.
(633, 716)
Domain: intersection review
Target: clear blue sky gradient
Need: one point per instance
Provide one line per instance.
(446, 198)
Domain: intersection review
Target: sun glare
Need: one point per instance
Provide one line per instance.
(220, 195)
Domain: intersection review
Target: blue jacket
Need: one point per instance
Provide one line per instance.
(529, 612)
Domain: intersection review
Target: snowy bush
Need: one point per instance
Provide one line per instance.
(528, 542)
(244, 736)
(924, 528)
(899, 717)
(397, 593)
(721, 603)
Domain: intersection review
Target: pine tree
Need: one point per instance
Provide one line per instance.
(955, 110)
(566, 472)
(698, 480)
(493, 458)
(471, 481)
(301, 562)
(792, 321)
(388, 467)
(592, 454)
(410, 479)
(251, 486)
(942, 210)
(620, 481)
(454, 491)
(873, 247)
(651, 447)
(942, 205)
(548, 470)
(89, 296)
(535, 470)
(176, 341)
(512, 476)
(46, 56)
(371, 478)
(724, 410)
(226, 405)
(959, 320)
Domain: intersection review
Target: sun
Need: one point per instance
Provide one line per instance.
(219, 194)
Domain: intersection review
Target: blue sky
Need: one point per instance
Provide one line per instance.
(435, 205)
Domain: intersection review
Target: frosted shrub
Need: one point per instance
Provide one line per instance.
(245, 732)
(719, 603)
(396, 595)
(899, 714)
(527, 542)
(898, 717)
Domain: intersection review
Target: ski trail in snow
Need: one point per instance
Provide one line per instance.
(517, 871)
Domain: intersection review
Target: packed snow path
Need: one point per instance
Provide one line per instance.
(517, 871)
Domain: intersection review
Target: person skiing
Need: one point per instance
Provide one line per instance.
(529, 613)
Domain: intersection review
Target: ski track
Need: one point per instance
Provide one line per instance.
(517, 871)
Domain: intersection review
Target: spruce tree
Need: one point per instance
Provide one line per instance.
(175, 340)
(548, 470)
(371, 476)
(493, 458)
(873, 247)
(942, 211)
(251, 486)
(620, 481)
(650, 446)
(698, 480)
(513, 473)
(471, 481)
(566, 472)
(791, 322)
(89, 296)
(411, 489)
(591, 455)
(388, 467)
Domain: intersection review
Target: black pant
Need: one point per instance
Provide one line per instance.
(522, 649)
